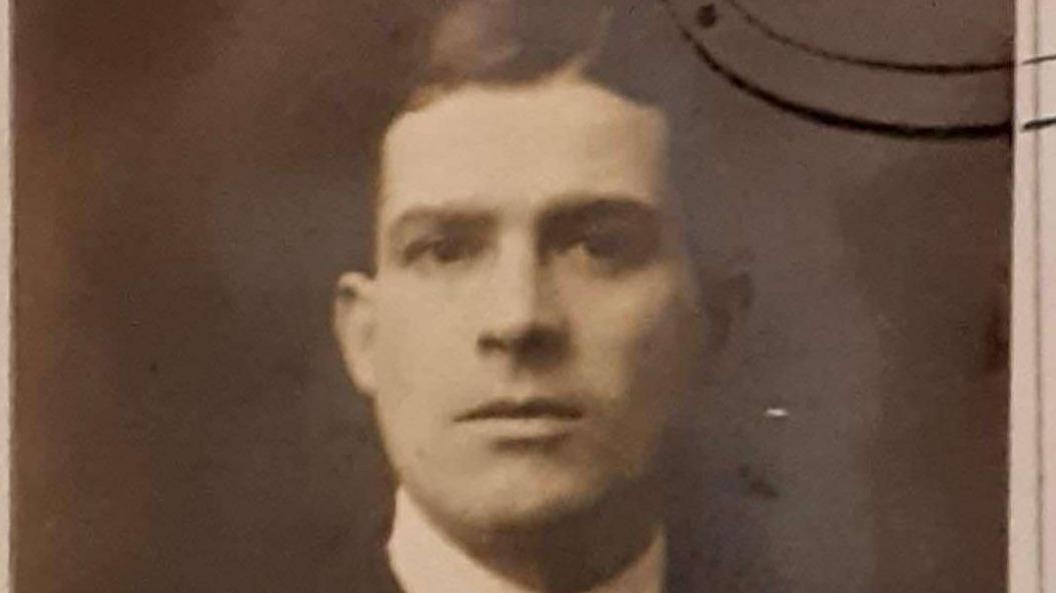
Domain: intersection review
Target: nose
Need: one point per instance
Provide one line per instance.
(522, 317)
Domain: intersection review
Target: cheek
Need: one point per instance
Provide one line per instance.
(419, 349)
(632, 336)
(632, 350)
(418, 378)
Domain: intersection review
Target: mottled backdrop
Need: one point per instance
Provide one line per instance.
(191, 177)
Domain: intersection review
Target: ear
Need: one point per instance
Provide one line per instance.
(728, 302)
(355, 323)
(728, 293)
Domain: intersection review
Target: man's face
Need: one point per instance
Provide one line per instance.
(526, 332)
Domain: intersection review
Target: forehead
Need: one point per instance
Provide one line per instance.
(523, 148)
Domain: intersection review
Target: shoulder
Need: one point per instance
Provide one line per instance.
(710, 552)
(355, 564)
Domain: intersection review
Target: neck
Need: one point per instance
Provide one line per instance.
(569, 555)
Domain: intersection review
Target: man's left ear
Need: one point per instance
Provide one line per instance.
(354, 326)
(726, 299)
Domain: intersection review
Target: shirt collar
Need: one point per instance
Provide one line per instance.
(424, 560)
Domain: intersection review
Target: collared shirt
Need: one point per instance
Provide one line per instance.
(425, 561)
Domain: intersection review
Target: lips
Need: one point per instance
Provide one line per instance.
(538, 408)
(533, 421)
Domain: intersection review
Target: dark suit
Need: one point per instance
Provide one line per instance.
(360, 565)
(715, 543)
(370, 573)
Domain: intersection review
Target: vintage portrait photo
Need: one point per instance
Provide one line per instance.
(512, 296)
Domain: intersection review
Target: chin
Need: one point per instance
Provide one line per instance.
(531, 505)
(519, 495)
(528, 515)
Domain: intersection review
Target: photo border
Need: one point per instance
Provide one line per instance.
(1032, 411)
(1032, 499)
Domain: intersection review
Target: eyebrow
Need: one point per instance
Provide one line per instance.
(478, 210)
(569, 208)
(442, 216)
(583, 208)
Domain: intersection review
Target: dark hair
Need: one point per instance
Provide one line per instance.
(627, 46)
(630, 47)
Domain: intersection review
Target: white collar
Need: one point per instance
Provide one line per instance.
(425, 561)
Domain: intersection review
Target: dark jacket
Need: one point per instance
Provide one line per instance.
(714, 544)
(360, 565)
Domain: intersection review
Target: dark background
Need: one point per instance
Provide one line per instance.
(190, 179)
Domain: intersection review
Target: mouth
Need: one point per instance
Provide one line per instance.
(531, 422)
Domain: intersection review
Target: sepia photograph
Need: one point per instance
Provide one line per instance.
(515, 296)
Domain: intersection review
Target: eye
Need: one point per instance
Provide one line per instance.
(443, 250)
(604, 245)
(613, 248)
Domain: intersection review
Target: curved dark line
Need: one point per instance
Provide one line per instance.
(838, 120)
(1039, 123)
(876, 64)
(1039, 59)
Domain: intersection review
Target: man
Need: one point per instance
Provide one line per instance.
(529, 329)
